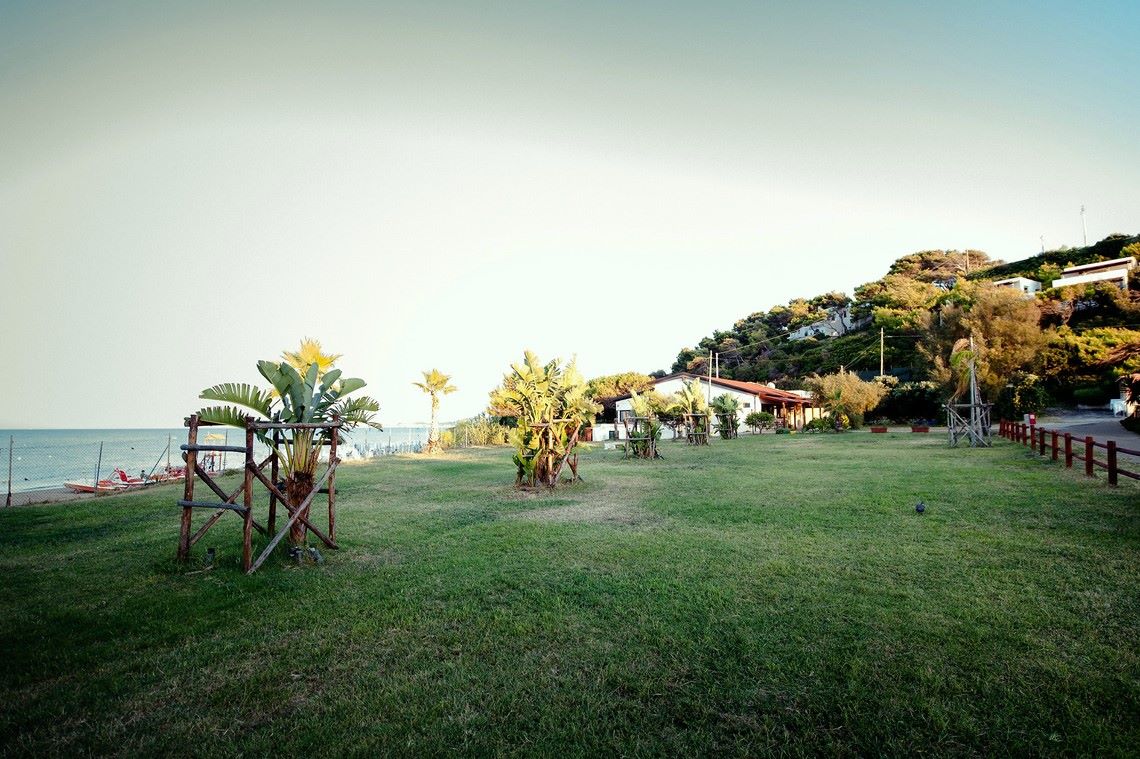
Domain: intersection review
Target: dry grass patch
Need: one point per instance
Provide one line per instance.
(617, 502)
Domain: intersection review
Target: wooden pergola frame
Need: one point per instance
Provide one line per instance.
(254, 471)
(695, 432)
(546, 432)
(640, 432)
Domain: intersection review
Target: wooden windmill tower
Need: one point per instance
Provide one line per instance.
(969, 421)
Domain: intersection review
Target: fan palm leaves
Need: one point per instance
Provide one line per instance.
(435, 384)
(298, 398)
(310, 352)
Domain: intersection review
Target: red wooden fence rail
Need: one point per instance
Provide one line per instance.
(1035, 438)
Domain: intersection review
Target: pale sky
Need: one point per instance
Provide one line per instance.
(186, 188)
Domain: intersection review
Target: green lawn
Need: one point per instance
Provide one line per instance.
(769, 594)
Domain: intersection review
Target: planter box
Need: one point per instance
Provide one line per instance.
(919, 428)
(878, 429)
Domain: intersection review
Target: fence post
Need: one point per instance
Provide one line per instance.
(1089, 456)
(8, 501)
(1032, 435)
(247, 499)
(98, 466)
(191, 460)
(1041, 446)
(1068, 450)
(1054, 445)
(1112, 462)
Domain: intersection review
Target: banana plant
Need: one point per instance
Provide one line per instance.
(549, 404)
(690, 404)
(295, 398)
(725, 406)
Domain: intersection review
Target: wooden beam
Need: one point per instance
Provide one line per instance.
(188, 490)
(296, 515)
(328, 541)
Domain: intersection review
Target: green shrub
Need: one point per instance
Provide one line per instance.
(479, 430)
(911, 399)
(1132, 423)
(759, 420)
(1090, 396)
(821, 424)
(1023, 394)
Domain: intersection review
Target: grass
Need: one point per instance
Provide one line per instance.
(773, 594)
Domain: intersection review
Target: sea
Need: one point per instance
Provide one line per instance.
(45, 459)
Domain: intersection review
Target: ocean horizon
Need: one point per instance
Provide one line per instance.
(46, 458)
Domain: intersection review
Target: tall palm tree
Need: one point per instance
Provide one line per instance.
(435, 384)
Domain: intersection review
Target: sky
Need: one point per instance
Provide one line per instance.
(186, 188)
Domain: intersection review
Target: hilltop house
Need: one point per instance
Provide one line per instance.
(839, 321)
(1116, 270)
(1024, 284)
(790, 408)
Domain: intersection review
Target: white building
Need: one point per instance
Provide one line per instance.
(1115, 271)
(1024, 284)
(839, 321)
(792, 409)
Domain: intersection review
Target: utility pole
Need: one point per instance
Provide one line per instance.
(1084, 229)
(881, 372)
(708, 398)
(1042, 243)
(717, 366)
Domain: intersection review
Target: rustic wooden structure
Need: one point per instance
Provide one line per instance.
(727, 425)
(697, 429)
(640, 441)
(969, 421)
(252, 470)
(550, 464)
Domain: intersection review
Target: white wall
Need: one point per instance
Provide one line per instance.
(671, 386)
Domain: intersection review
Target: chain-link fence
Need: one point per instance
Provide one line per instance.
(57, 465)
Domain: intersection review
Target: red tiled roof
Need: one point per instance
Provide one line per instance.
(764, 392)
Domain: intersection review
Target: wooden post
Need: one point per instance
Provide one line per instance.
(1089, 455)
(1041, 441)
(1068, 450)
(11, 442)
(1112, 462)
(273, 475)
(332, 482)
(1054, 445)
(247, 499)
(1032, 435)
(188, 489)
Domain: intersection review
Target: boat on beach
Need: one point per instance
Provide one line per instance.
(120, 481)
(104, 486)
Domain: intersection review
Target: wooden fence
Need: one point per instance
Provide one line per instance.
(1060, 444)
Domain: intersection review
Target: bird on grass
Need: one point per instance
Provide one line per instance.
(920, 507)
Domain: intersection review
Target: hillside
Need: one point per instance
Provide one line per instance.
(1064, 346)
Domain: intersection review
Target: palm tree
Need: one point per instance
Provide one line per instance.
(295, 398)
(435, 383)
(309, 353)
